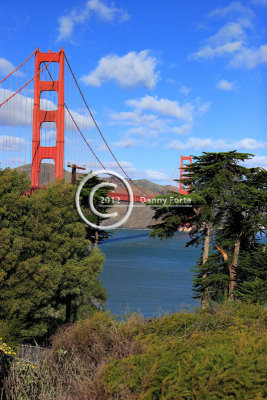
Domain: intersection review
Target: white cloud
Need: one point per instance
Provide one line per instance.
(132, 117)
(83, 121)
(126, 165)
(156, 175)
(227, 41)
(223, 84)
(22, 111)
(257, 161)
(131, 70)
(182, 129)
(217, 51)
(107, 13)
(260, 2)
(165, 116)
(138, 131)
(250, 57)
(250, 144)
(21, 106)
(185, 90)
(92, 7)
(140, 124)
(202, 108)
(65, 28)
(11, 143)
(6, 67)
(229, 32)
(126, 143)
(192, 142)
(233, 8)
(138, 174)
(232, 39)
(163, 106)
(48, 136)
(213, 144)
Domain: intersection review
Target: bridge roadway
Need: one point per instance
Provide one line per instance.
(114, 195)
(125, 197)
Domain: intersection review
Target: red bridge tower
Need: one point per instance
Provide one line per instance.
(39, 152)
(182, 189)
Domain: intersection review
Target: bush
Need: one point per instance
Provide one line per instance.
(70, 368)
(211, 354)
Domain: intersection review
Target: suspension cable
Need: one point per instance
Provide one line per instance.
(84, 138)
(75, 123)
(101, 132)
(18, 67)
(22, 87)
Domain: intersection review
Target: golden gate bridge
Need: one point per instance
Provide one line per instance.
(47, 126)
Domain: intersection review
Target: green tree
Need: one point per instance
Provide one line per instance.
(218, 178)
(245, 211)
(217, 277)
(102, 204)
(45, 257)
(252, 276)
(212, 178)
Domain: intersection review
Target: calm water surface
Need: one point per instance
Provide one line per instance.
(149, 276)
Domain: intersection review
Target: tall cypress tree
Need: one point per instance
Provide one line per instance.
(214, 181)
(245, 210)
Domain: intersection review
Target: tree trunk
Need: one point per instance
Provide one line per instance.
(232, 269)
(206, 249)
(96, 238)
(225, 259)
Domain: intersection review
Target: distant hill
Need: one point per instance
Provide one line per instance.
(47, 175)
(154, 188)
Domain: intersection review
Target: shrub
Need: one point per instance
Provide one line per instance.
(70, 369)
(211, 354)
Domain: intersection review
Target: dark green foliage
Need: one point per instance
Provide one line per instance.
(220, 169)
(171, 218)
(216, 281)
(44, 258)
(252, 276)
(245, 207)
(244, 218)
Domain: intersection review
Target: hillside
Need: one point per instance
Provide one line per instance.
(154, 188)
(47, 175)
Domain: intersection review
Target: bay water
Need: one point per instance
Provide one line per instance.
(148, 276)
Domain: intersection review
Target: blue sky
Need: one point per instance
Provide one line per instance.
(163, 78)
